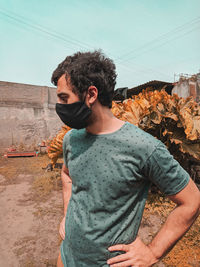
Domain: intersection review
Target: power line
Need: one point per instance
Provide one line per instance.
(161, 38)
(66, 39)
(22, 23)
(196, 20)
(54, 34)
(159, 45)
(51, 33)
(144, 71)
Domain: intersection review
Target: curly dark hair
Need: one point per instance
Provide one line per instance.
(86, 69)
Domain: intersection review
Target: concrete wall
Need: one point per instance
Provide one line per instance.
(188, 87)
(27, 114)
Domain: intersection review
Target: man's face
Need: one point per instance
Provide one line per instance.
(64, 92)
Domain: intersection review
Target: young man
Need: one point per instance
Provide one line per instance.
(108, 167)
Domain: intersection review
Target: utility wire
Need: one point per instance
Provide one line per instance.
(67, 40)
(144, 71)
(52, 33)
(159, 45)
(56, 35)
(161, 37)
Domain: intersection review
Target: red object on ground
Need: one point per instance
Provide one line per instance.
(11, 149)
(20, 154)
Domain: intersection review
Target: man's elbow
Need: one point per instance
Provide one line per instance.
(193, 206)
(196, 201)
(198, 205)
(189, 200)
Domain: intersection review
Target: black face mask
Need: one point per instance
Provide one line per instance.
(74, 115)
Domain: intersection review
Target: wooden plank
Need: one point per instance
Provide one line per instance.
(21, 154)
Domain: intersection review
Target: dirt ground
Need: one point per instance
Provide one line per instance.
(31, 210)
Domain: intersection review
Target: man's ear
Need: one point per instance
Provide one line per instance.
(92, 94)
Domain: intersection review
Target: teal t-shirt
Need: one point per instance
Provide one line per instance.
(111, 175)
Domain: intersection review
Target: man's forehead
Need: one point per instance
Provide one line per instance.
(62, 80)
(63, 85)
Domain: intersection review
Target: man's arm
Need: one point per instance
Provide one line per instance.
(66, 189)
(179, 220)
(176, 225)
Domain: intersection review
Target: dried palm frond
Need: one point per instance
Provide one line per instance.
(55, 148)
(172, 119)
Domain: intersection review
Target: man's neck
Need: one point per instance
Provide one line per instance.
(103, 121)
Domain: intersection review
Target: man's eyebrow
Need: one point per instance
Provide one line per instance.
(62, 94)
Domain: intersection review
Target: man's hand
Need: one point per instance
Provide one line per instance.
(136, 254)
(62, 228)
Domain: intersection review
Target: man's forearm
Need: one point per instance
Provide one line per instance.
(67, 187)
(138, 254)
(66, 198)
(177, 223)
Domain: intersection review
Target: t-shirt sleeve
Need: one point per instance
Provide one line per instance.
(165, 172)
(65, 147)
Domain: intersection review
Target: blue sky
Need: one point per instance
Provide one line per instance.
(147, 39)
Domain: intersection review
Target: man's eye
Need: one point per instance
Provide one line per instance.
(64, 99)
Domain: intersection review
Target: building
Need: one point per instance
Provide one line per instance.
(188, 86)
(27, 114)
(185, 87)
(124, 93)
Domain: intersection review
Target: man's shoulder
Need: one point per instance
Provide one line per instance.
(141, 143)
(139, 136)
(73, 134)
(67, 135)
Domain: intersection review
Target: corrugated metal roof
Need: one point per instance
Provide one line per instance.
(124, 93)
(156, 85)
